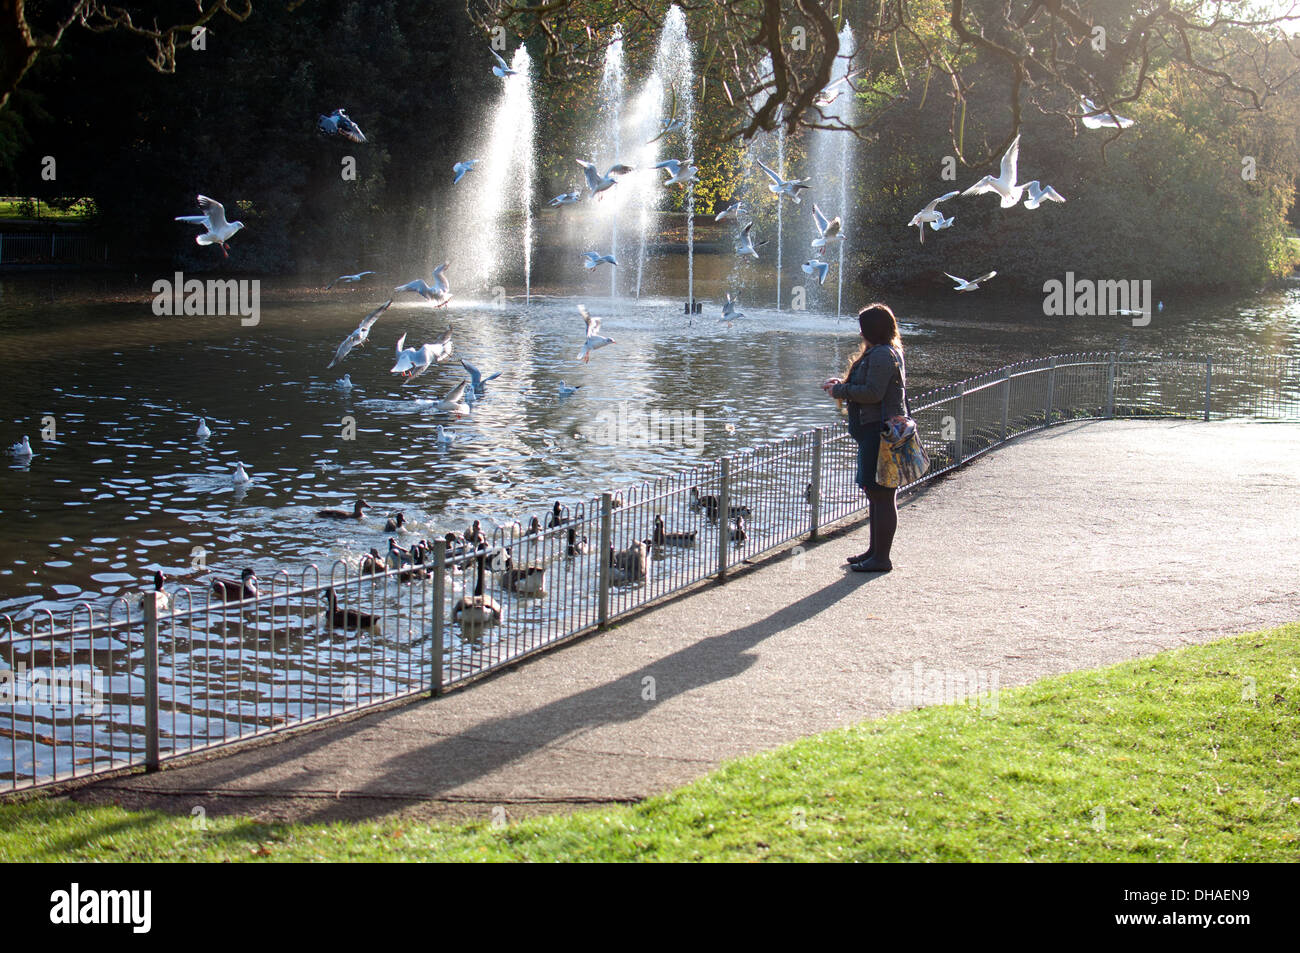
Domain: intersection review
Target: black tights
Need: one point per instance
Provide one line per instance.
(884, 521)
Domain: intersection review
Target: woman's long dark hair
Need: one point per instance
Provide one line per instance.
(878, 326)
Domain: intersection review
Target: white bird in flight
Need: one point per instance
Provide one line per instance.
(591, 260)
(930, 215)
(746, 244)
(780, 186)
(964, 285)
(476, 378)
(941, 223)
(439, 292)
(595, 340)
(218, 231)
(729, 309)
(826, 231)
(414, 361)
(348, 279)
(678, 174)
(359, 336)
(454, 402)
(1040, 194)
(338, 123)
(462, 169)
(502, 69)
(815, 266)
(1095, 118)
(566, 198)
(732, 212)
(598, 183)
(672, 123)
(1005, 184)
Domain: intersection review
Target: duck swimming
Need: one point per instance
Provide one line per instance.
(395, 522)
(477, 612)
(662, 537)
(629, 565)
(534, 527)
(736, 530)
(357, 507)
(372, 562)
(528, 581)
(710, 504)
(164, 602)
(576, 546)
(557, 515)
(343, 618)
(231, 590)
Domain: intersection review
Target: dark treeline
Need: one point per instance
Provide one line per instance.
(237, 121)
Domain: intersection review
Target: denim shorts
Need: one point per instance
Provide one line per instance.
(868, 453)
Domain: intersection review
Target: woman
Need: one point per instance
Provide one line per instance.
(873, 387)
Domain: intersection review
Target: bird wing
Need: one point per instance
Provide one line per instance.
(822, 224)
(984, 277)
(369, 321)
(593, 177)
(440, 284)
(943, 198)
(215, 211)
(744, 232)
(982, 186)
(193, 219)
(1052, 195)
(960, 281)
(619, 169)
(497, 57)
(672, 165)
(770, 174)
(1010, 161)
(457, 394)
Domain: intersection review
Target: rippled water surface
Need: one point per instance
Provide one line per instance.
(124, 487)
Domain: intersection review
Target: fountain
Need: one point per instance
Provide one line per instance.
(609, 150)
(503, 189)
(830, 155)
(674, 70)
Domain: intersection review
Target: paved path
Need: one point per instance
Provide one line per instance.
(1069, 549)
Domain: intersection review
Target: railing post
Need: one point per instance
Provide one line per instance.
(1110, 387)
(1051, 392)
(724, 516)
(959, 453)
(1006, 400)
(439, 614)
(151, 745)
(606, 544)
(815, 497)
(1209, 376)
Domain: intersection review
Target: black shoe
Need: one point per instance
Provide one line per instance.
(872, 565)
(860, 557)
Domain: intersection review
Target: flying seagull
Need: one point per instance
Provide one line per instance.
(218, 231)
(476, 378)
(815, 266)
(1005, 184)
(729, 309)
(338, 123)
(732, 211)
(565, 198)
(746, 244)
(672, 123)
(599, 183)
(678, 174)
(348, 279)
(780, 186)
(826, 231)
(1095, 118)
(591, 260)
(930, 215)
(939, 224)
(1040, 194)
(439, 292)
(359, 336)
(595, 339)
(973, 285)
(414, 361)
(502, 69)
(462, 168)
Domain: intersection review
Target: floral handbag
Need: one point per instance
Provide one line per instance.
(901, 459)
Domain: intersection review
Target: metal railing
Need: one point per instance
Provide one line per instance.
(51, 248)
(135, 684)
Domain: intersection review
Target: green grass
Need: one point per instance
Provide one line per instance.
(1191, 755)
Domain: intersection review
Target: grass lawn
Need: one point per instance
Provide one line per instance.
(1189, 755)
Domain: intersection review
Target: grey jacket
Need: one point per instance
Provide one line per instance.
(874, 389)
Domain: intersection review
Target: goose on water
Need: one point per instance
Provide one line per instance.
(476, 612)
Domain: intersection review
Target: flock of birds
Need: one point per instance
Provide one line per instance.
(478, 610)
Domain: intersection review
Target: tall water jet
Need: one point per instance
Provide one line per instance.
(780, 200)
(674, 65)
(494, 203)
(644, 183)
(612, 82)
(830, 154)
